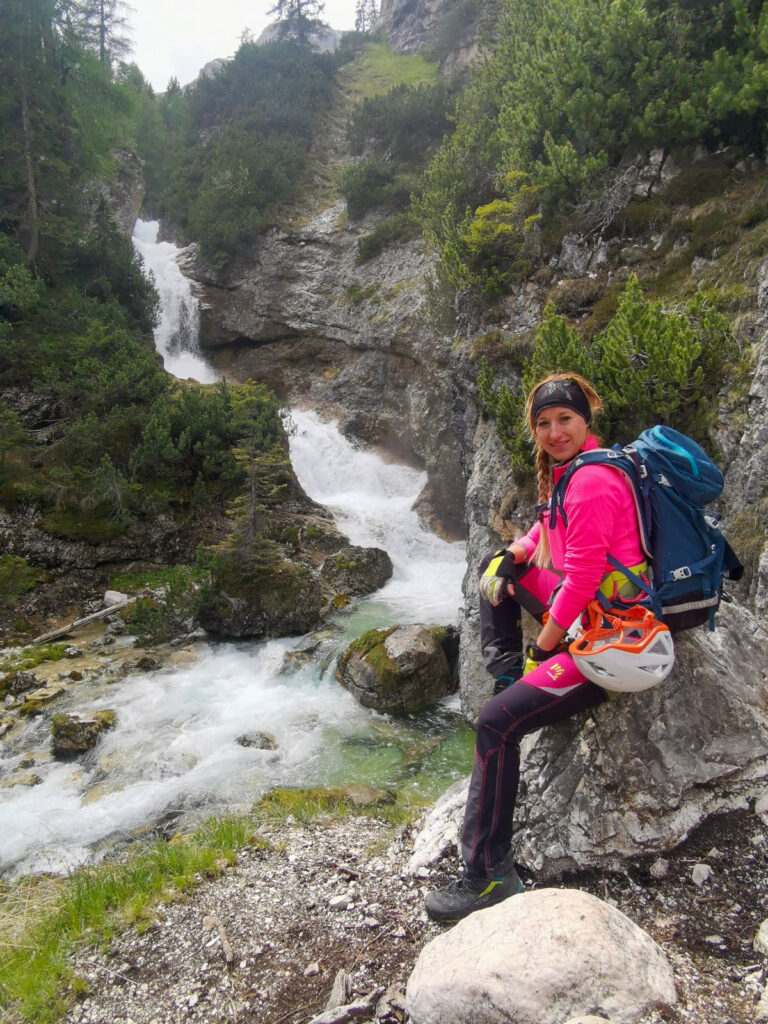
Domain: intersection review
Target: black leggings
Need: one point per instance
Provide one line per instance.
(554, 691)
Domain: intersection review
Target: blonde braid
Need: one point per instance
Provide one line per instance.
(541, 556)
(544, 475)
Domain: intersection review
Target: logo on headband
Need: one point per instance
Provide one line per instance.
(557, 387)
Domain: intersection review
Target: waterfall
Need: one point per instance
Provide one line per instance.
(176, 336)
(174, 752)
(372, 502)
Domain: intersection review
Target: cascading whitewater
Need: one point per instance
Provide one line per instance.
(176, 336)
(372, 502)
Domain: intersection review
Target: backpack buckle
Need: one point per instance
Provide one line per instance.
(683, 573)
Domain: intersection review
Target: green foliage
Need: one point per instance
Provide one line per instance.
(62, 114)
(31, 657)
(374, 184)
(400, 228)
(262, 459)
(569, 87)
(355, 294)
(404, 123)
(20, 291)
(130, 441)
(650, 364)
(225, 153)
(493, 247)
(173, 611)
(47, 923)
(17, 577)
(376, 70)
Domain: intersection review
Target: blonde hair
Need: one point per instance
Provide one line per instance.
(541, 555)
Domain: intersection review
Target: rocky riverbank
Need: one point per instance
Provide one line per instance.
(267, 941)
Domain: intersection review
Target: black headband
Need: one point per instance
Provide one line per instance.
(561, 392)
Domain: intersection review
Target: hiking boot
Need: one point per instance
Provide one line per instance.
(469, 893)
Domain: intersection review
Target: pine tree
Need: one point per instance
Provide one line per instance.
(297, 17)
(100, 26)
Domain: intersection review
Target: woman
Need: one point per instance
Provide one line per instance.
(555, 570)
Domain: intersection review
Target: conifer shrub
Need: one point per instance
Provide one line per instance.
(401, 124)
(651, 364)
(401, 228)
(374, 184)
(637, 76)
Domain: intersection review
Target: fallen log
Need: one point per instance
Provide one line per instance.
(63, 630)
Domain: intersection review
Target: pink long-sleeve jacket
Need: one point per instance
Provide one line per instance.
(602, 520)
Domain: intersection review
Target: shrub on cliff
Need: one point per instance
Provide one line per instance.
(568, 87)
(651, 363)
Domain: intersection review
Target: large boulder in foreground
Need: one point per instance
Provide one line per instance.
(397, 670)
(540, 958)
(356, 571)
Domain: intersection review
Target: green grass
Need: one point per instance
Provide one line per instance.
(377, 69)
(43, 923)
(34, 656)
(142, 579)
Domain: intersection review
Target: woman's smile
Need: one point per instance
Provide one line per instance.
(561, 432)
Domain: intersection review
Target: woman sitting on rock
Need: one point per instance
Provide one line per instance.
(557, 570)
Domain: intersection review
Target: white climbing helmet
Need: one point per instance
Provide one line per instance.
(625, 650)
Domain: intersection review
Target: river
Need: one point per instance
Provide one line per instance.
(174, 755)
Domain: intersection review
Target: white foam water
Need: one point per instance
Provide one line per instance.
(372, 502)
(176, 336)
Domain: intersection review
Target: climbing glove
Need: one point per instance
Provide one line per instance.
(534, 656)
(493, 588)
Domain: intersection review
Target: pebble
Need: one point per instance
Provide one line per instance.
(701, 873)
(312, 970)
(660, 868)
(760, 943)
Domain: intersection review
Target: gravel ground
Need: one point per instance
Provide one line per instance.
(265, 942)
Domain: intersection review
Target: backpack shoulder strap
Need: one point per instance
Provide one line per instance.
(628, 462)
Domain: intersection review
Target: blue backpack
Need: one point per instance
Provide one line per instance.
(672, 478)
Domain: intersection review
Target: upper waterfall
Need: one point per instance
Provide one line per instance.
(176, 336)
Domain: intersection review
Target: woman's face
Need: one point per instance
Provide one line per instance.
(561, 432)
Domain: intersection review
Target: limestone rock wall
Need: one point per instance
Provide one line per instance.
(354, 341)
(447, 27)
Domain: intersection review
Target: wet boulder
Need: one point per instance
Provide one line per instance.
(257, 739)
(397, 670)
(74, 734)
(356, 571)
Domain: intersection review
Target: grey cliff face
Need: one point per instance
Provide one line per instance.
(353, 341)
(416, 25)
(123, 194)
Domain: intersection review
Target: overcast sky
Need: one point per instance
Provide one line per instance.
(177, 37)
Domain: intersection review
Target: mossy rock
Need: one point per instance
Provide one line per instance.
(356, 571)
(282, 600)
(74, 734)
(398, 670)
